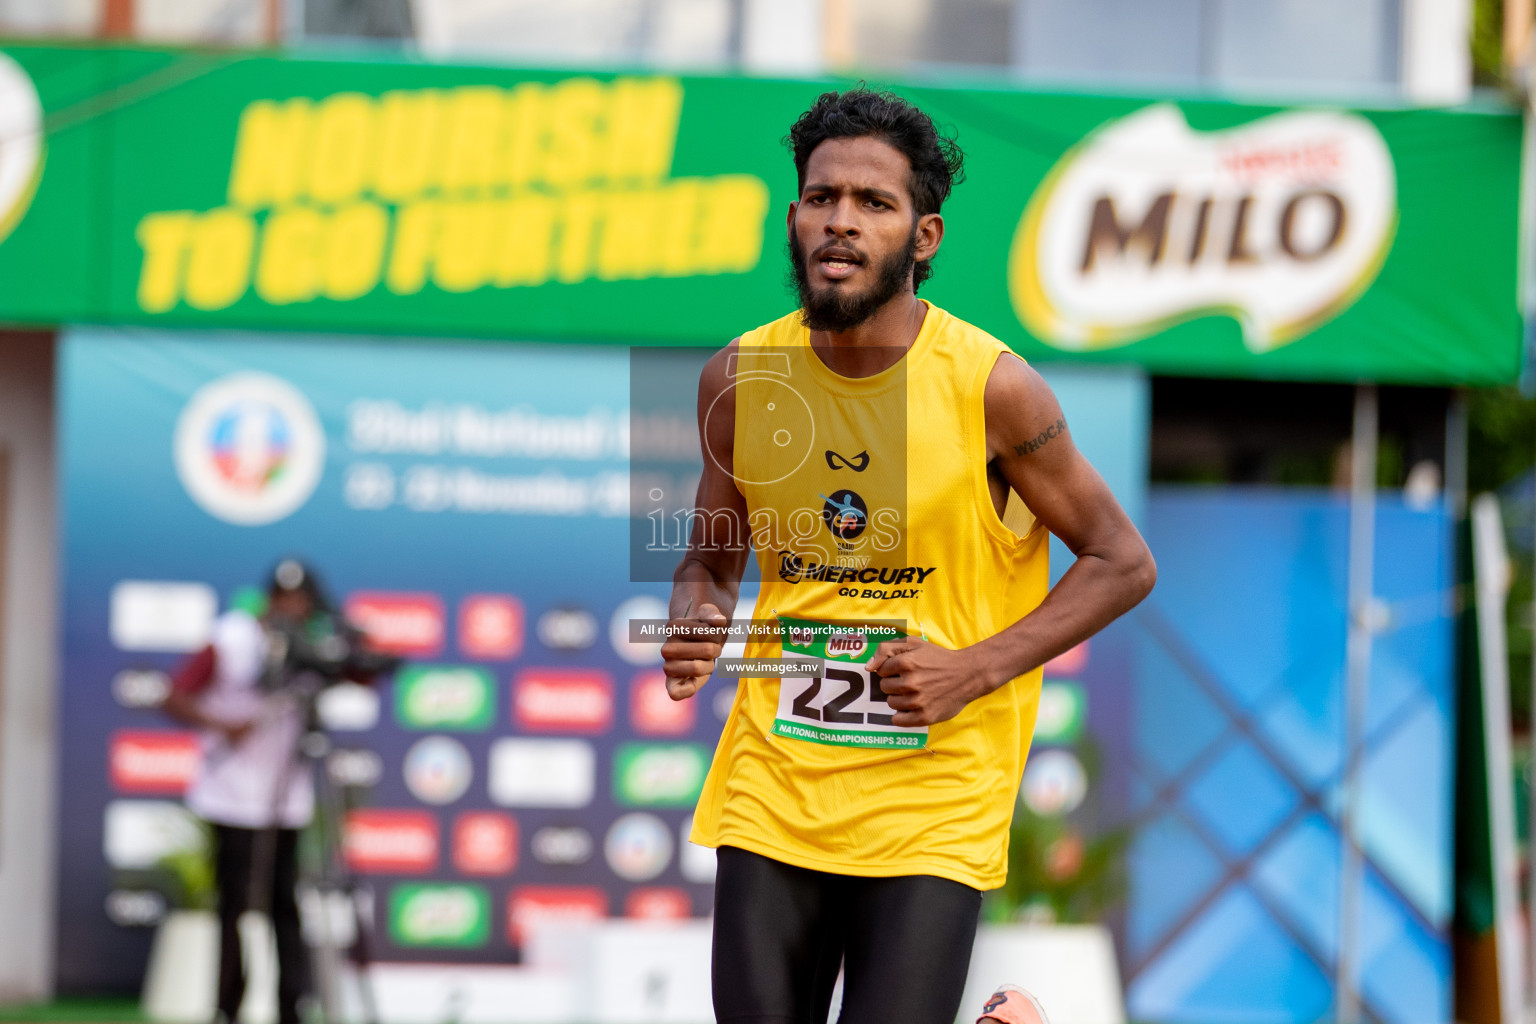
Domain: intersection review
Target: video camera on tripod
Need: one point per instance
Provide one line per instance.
(309, 645)
(323, 649)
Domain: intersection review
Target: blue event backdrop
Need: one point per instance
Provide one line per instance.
(1216, 706)
(543, 522)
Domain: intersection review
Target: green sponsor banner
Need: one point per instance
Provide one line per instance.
(445, 697)
(659, 774)
(454, 916)
(379, 196)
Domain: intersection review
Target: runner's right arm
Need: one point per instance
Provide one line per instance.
(708, 579)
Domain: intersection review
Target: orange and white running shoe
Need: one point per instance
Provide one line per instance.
(1012, 1005)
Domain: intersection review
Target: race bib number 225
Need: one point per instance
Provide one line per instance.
(844, 706)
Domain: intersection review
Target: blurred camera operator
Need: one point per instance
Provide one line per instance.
(250, 693)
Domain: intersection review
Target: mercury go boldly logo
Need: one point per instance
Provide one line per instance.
(249, 449)
(1280, 223)
(21, 143)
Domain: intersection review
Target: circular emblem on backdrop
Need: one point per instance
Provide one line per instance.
(845, 514)
(249, 448)
(438, 770)
(21, 143)
(567, 629)
(1054, 783)
(642, 607)
(638, 847)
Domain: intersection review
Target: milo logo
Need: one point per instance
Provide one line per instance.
(850, 646)
(21, 146)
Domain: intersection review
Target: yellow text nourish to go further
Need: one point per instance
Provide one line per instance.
(459, 189)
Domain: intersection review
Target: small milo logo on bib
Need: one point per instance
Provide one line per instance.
(844, 706)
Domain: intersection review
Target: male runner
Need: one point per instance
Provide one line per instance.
(859, 815)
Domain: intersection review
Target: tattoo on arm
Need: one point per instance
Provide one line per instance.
(1041, 439)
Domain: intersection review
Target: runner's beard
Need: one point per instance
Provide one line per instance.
(830, 309)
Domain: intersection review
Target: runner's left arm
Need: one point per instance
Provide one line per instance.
(1031, 452)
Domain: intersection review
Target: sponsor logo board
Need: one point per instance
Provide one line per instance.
(658, 903)
(348, 707)
(153, 762)
(354, 767)
(452, 916)
(658, 774)
(485, 843)
(567, 629)
(161, 615)
(401, 842)
(530, 906)
(638, 847)
(542, 773)
(653, 713)
(561, 845)
(1280, 223)
(140, 687)
(408, 624)
(249, 449)
(139, 834)
(438, 770)
(445, 697)
(491, 627)
(562, 700)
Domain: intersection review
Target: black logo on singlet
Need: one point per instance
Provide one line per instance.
(859, 463)
(845, 514)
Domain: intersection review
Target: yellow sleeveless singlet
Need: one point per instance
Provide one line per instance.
(869, 504)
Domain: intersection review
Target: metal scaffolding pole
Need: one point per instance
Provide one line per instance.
(1357, 673)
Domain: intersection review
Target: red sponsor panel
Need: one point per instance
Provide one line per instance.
(411, 624)
(491, 626)
(533, 905)
(1069, 662)
(153, 762)
(391, 842)
(653, 713)
(562, 700)
(658, 903)
(485, 843)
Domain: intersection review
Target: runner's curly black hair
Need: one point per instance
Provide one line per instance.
(938, 165)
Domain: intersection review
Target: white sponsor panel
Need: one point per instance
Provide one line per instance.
(438, 770)
(638, 847)
(139, 834)
(1280, 223)
(542, 773)
(249, 448)
(348, 707)
(161, 615)
(21, 143)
